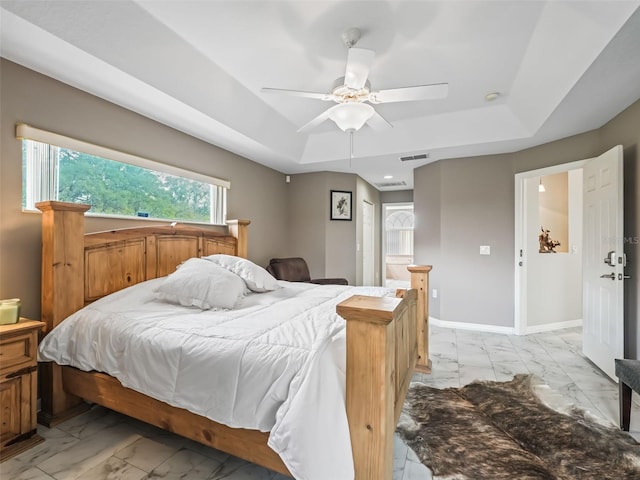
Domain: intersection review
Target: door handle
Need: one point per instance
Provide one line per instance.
(610, 258)
(611, 276)
(623, 277)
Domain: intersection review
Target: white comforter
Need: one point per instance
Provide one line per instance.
(275, 363)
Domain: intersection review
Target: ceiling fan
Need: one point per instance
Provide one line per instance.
(353, 93)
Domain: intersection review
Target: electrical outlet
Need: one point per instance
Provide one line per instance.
(434, 293)
(485, 250)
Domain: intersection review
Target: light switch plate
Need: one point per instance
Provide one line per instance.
(485, 250)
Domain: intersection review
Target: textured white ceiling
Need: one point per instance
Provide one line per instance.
(561, 67)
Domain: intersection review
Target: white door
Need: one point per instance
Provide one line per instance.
(367, 244)
(604, 260)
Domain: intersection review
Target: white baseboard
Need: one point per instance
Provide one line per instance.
(477, 327)
(553, 326)
(480, 327)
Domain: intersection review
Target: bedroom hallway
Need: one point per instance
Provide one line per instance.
(101, 444)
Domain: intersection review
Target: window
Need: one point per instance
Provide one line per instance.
(115, 183)
(399, 226)
(397, 244)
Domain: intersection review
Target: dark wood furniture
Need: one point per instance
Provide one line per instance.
(628, 373)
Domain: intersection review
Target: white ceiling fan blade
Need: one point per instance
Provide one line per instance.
(359, 62)
(408, 94)
(378, 123)
(299, 93)
(315, 122)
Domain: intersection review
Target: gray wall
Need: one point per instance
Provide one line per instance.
(463, 203)
(306, 213)
(257, 193)
(426, 237)
(330, 247)
(397, 196)
(476, 202)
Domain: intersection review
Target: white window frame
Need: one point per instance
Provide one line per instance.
(44, 178)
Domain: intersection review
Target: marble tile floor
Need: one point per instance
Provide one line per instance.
(104, 445)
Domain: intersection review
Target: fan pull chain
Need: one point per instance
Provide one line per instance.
(350, 147)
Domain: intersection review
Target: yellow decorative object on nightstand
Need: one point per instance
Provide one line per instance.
(18, 387)
(9, 311)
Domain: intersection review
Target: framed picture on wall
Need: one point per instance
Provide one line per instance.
(340, 205)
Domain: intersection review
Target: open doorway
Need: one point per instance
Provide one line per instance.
(549, 220)
(398, 225)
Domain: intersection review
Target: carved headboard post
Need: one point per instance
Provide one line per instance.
(62, 260)
(238, 229)
(62, 294)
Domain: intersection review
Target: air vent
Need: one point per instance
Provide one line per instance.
(420, 156)
(391, 184)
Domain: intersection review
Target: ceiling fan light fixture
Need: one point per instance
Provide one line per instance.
(352, 90)
(350, 117)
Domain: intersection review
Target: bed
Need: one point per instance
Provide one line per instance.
(386, 338)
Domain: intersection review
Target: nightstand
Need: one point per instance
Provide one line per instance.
(18, 387)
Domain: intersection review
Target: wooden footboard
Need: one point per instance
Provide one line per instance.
(386, 337)
(382, 351)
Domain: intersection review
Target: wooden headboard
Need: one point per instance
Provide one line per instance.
(79, 268)
(121, 258)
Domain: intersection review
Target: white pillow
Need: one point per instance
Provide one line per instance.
(202, 284)
(256, 277)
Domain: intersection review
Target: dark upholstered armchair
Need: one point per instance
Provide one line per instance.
(296, 270)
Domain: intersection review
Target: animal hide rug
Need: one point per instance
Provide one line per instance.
(503, 431)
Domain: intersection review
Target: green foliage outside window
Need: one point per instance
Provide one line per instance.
(117, 188)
